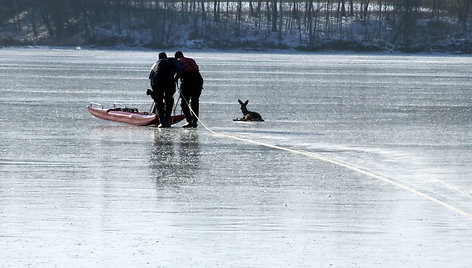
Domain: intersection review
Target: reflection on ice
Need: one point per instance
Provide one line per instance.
(174, 157)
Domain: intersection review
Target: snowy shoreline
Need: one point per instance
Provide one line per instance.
(235, 50)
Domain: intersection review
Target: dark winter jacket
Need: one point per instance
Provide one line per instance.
(164, 71)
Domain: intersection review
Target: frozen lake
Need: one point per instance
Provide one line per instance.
(363, 160)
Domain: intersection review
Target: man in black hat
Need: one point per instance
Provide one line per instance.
(162, 79)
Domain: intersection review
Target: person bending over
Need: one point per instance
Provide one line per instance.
(162, 79)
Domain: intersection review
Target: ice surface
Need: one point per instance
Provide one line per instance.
(79, 191)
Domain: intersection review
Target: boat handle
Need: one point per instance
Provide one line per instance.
(96, 104)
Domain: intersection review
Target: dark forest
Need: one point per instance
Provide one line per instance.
(409, 25)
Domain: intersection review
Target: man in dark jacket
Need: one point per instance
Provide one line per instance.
(162, 79)
(190, 88)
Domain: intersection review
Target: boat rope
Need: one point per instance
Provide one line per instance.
(334, 162)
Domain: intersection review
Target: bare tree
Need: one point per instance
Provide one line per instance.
(274, 16)
(463, 7)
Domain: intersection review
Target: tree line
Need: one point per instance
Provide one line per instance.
(218, 23)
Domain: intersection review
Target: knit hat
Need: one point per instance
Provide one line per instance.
(178, 54)
(162, 55)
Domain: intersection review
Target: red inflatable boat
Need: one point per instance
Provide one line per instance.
(120, 113)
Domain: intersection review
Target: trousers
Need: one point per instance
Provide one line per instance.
(190, 89)
(163, 96)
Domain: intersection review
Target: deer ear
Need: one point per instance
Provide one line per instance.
(246, 102)
(240, 102)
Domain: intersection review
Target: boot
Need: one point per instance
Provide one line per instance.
(186, 112)
(162, 118)
(167, 115)
(163, 123)
(188, 125)
(195, 109)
